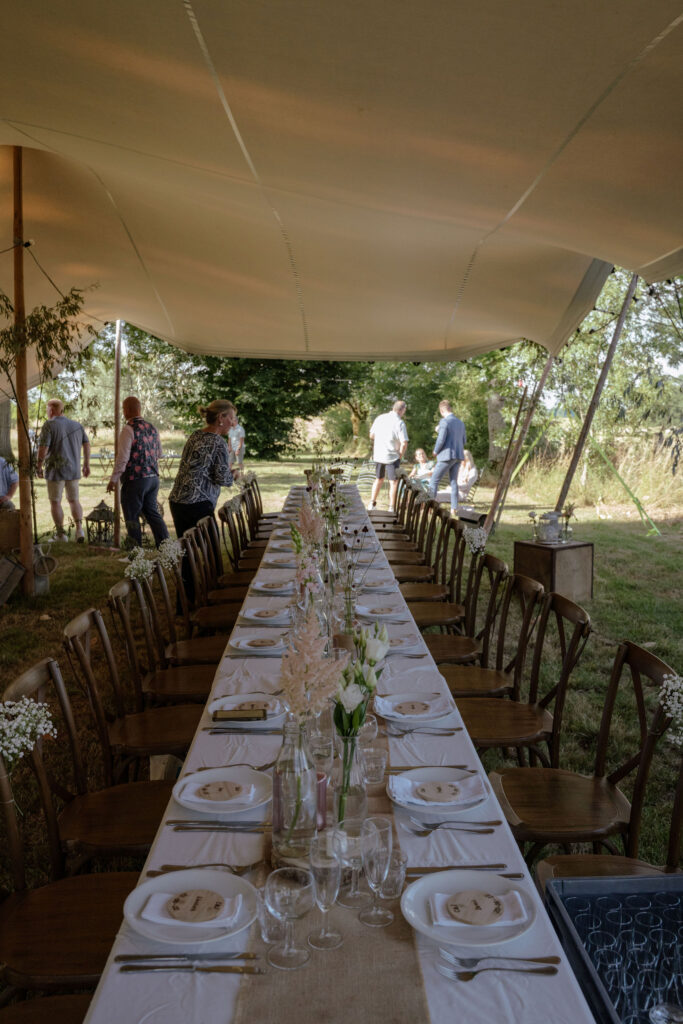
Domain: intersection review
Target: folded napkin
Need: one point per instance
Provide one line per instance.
(405, 790)
(192, 792)
(512, 909)
(230, 701)
(388, 707)
(156, 910)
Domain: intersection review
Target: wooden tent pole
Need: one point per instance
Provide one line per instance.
(21, 382)
(504, 475)
(585, 429)
(117, 431)
(509, 465)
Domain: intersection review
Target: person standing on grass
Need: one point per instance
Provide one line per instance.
(204, 469)
(236, 439)
(9, 481)
(59, 449)
(137, 467)
(449, 451)
(390, 437)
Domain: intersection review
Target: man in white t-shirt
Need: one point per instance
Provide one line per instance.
(236, 444)
(390, 438)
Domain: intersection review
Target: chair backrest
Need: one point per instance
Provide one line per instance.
(34, 683)
(197, 562)
(163, 607)
(492, 573)
(229, 531)
(635, 670)
(209, 540)
(455, 556)
(84, 637)
(136, 617)
(519, 610)
(673, 853)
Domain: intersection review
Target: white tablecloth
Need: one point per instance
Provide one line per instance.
(492, 998)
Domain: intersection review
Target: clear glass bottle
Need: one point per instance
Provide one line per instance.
(294, 796)
(350, 799)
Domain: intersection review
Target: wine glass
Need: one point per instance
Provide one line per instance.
(326, 872)
(368, 731)
(321, 749)
(347, 842)
(289, 895)
(376, 855)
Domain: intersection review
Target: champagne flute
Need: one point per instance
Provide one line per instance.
(326, 872)
(376, 852)
(347, 842)
(288, 895)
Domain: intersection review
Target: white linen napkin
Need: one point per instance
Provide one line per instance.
(231, 701)
(386, 706)
(155, 909)
(404, 790)
(513, 910)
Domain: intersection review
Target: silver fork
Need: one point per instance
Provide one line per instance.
(472, 961)
(424, 833)
(234, 869)
(453, 975)
(459, 821)
(238, 764)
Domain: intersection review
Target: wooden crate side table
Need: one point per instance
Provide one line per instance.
(566, 569)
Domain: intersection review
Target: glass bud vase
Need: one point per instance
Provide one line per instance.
(294, 796)
(348, 782)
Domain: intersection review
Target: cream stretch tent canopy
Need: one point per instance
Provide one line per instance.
(385, 179)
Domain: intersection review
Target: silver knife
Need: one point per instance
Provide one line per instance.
(217, 730)
(238, 823)
(133, 958)
(264, 830)
(192, 968)
(455, 867)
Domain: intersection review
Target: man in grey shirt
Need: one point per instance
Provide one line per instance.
(59, 448)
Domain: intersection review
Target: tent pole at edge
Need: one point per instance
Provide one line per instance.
(117, 431)
(21, 381)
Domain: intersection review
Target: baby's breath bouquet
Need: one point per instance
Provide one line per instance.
(139, 567)
(22, 722)
(671, 699)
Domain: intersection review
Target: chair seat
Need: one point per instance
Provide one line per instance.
(404, 557)
(455, 649)
(70, 1009)
(474, 681)
(228, 595)
(552, 805)
(166, 730)
(424, 592)
(508, 724)
(200, 650)
(436, 613)
(216, 617)
(180, 683)
(397, 543)
(413, 573)
(61, 934)
(236, 579)
(123, 818)
(591, 865)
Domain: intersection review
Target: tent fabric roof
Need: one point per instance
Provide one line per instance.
(283, 178)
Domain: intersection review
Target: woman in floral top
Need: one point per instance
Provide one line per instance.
(204, 469)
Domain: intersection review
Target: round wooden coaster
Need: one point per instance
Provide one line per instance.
(195, 905)
(411, 707)
(262, 642)
(222, 790)
(439, 792)
(474, 907)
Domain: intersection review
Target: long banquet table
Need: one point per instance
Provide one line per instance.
(498, 997)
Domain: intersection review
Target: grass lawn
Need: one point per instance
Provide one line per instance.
(637, 596)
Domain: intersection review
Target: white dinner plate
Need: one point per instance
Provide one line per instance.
(282, 545)
(440, 710)
(405, 645)
(438, 811)
(259, 646)
(279, 562)
(381, 612)
(267, 616)
(415, 908)
(379, 587)
(276, 709)
(262, 783)
(222, 882)
(276, 587)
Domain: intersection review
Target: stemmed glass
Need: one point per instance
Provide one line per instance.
(326, 871)
(289, 895)
(347, 842)
(376, 857)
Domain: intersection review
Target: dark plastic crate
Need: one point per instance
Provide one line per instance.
(560, 891)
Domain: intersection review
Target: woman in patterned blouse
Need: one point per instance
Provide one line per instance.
(204, 469)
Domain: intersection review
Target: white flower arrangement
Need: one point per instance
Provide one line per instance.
(169, 554)
(475, 537)
(671, 699)
(140, 567)
(372, 643)
(22, 722)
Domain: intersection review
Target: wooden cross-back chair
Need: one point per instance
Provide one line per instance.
(535, 723)
(126, 737)
(160, 684)
(178, 649)
(258, 529)
(436, 590)
(592, 865)
(428, 524)
(263, 517)
(241, 570)
(436, 610)
(117, 820)
(207, 616)
(394, 534)
(66, 1009)
(57, 936)
(209, 540)
(553, 806)
(485, 578)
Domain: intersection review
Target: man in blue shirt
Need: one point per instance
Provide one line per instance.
(449, 451)
(9, 481)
